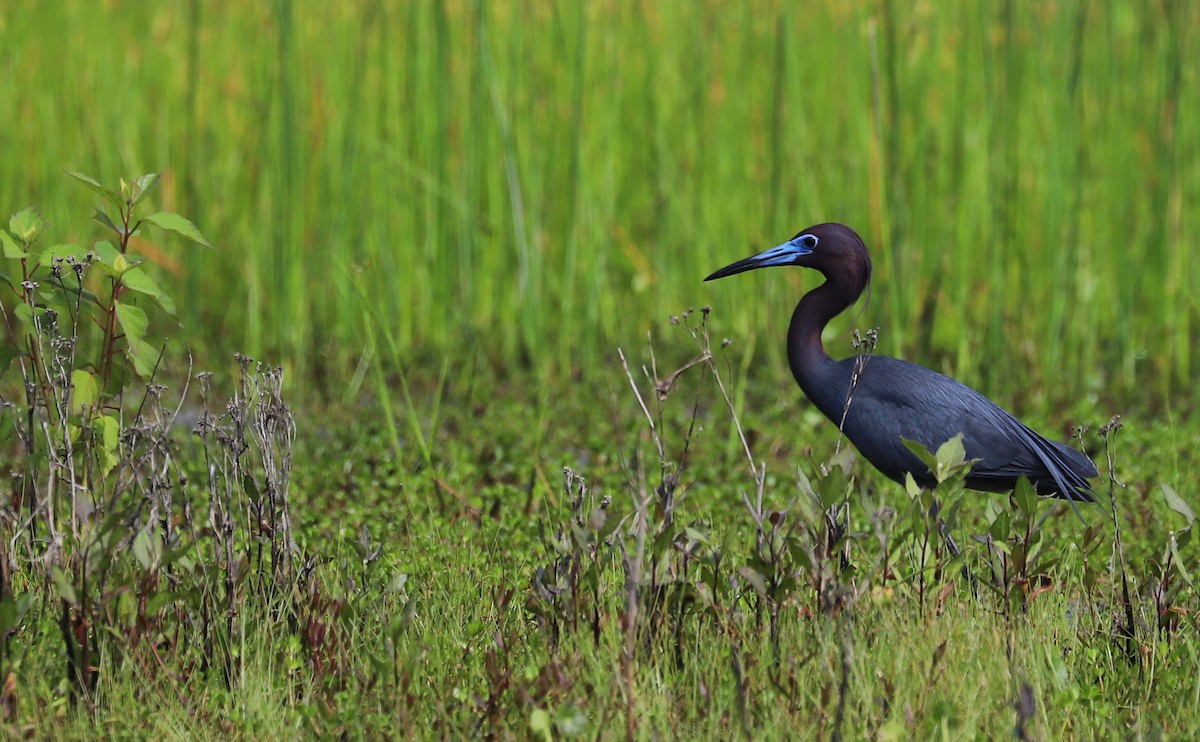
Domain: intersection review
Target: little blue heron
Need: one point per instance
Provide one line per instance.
(893, 399)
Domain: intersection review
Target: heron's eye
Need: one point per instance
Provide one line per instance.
(808, 240)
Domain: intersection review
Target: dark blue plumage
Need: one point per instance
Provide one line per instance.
(894, 399)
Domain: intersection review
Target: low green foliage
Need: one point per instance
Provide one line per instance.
(665, 584)
(106, 535)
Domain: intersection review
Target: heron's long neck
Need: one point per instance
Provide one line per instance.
(806, 354)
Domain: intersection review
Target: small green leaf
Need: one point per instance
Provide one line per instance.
(12, 250)
(910, 485)
(107, 432)
(540, 725)
(108, 195)
(834, 488)
(570, 720)
(133, 321)
(397, 583)
(1178, 560)
(175, 223)
(102, 217)
(66, 590)
(26, 224)
(158, 601)
(136, 279)
(1177, 503)
(950, 455)
(111, 259)
(147, 550)
(141, 549)
(142, 185)
(85, 390)
(755, 579)
(892, 730)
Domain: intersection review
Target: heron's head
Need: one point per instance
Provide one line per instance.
(833, 249)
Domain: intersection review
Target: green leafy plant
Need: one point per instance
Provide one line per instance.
(105, 519)
(79, 336)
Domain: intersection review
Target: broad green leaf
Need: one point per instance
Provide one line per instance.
(62, 250)
(112, 260)
(66, 590)
(175, 223)
(136, 279)
(147, 550)
(12, 611)
(85, 390)
(834, 487)
(921, 452)
(142, 185)
(7, 355)
(107, 432)
(108, 195)
(102, 217)
(24, 315)
(950, 455)
(26, 224)
(12, 250)
(8, 614)
(158, 601)
(1025, 497)
(133, 321)
(145, 358)
(1177, 503)
(105, 252)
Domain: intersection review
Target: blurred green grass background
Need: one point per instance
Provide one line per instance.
(529, 184)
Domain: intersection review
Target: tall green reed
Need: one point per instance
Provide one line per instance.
(536, 182)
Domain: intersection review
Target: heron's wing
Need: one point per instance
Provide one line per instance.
(903, 400)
